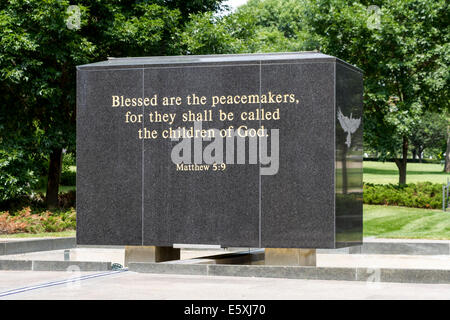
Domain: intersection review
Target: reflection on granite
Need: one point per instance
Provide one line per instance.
(349, 156)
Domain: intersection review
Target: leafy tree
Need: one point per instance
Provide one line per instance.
(258, 26)
(430, 132)
(447, 152)
(189, 7)
(39, 51)
(280, 25)
(207, 33)
(402, 46)
(37, 58)
(18, 173)
(405, 59)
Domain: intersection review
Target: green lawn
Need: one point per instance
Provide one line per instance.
(387, 172)
(408, 223)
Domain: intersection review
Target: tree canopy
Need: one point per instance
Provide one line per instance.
(405, 57)
(39, 51)
(402, 46)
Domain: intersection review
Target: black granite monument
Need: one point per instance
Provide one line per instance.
(253, 150)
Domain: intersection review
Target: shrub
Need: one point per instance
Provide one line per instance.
(67, 199)
(17, 174)
(26, 220)
(68, 178)
(68, 160)
(417, 195)
(36, 200)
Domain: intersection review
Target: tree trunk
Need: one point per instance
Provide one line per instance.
(414, 153)
(447, 152)
(54, 175)
(401, 163)
(420, 155)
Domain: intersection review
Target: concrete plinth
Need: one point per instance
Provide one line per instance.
(290, 257)
(150, 254)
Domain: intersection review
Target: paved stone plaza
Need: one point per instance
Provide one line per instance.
(130, 285)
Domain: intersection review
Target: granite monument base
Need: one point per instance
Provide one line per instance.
(290, 257)
(150, 254)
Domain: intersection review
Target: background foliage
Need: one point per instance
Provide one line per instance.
(402, 46)
(38, 56)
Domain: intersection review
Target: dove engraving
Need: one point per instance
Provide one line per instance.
(349, 125)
